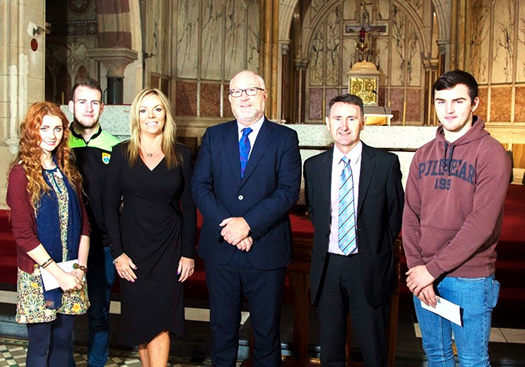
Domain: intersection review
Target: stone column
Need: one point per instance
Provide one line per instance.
(269, 58)
(444, 49)
(431, 74)
(22, 69)
(265, 63)
(452, 54)
(284, 80)
(300, 77)
(115, 60)
(275, 59)
(461, 43)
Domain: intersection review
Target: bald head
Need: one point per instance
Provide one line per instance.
(247, 97)
(249, 74)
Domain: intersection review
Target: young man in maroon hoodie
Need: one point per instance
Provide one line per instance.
(452, 218)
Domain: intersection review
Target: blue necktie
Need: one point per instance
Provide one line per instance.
(346, 231)
(244, 148)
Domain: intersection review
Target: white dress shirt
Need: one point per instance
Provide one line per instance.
(337, 168)
(256, 127)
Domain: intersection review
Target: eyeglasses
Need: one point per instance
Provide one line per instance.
(236, 93)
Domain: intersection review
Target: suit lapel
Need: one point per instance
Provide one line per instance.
(232, 150)
(324, 173)
(263, 139)
(367, 172)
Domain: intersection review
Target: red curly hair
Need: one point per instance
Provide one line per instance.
(30, 153)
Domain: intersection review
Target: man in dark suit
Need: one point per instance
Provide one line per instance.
(355, 201)
(246, 178)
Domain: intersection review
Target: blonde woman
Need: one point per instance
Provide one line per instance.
(153, 239)
(50, 226)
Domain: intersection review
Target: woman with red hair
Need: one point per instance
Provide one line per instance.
(51, 229)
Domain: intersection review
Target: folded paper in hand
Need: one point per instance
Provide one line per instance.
(50, 281)
(446, 309)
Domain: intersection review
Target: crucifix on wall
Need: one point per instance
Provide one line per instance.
(364, 30)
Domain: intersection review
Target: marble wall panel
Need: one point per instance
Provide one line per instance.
(226, 106)
(519, 105)
(165, 40)
(350, 9)
(316, 104)
(413, 100)
(333, 47)
(154, 80)
(383, 10)
(212, 38)
(316, 64)
(479, 50)
(482, 110)
(186, 98)
(500, 104)
(235, 37)
(253, 36)
(397, 97)
(503, 43)
(348, 58)
(520, 67)
(187, 41)
(397, 29)
(157, 37)
(382, 59)
(413, 63)
(331, 93)
(210, 105)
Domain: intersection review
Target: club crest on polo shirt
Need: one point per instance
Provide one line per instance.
(106, 157)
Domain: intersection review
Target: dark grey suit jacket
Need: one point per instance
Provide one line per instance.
(379, 214)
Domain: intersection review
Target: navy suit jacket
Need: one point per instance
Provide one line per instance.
(379, 214)
(270, 187)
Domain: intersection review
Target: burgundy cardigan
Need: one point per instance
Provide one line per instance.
(23, 221)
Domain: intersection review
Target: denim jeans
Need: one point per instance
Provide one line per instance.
(100, 279)
(477, 297)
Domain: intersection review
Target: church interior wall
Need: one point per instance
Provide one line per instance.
(397, 51)
(214, 40)
(21, 71)
(191, 49)
(495, 57)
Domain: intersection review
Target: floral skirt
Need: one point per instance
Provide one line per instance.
(31, 305)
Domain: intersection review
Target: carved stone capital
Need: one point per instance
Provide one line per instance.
(443, 44)
(12, 143)
(114, 59)
(285, 46)
(300, 64)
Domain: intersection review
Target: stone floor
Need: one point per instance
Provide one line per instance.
(13, 353)
(507, 346)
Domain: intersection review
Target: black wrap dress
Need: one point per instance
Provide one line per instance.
(156, 227)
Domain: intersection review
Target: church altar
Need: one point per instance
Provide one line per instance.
(313, 138)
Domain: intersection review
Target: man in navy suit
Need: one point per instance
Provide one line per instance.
(246, 178)
(355, 201)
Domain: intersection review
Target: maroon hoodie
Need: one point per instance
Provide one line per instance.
(454, 202)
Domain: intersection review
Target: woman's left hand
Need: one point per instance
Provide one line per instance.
(79, 274)
(185, 269)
